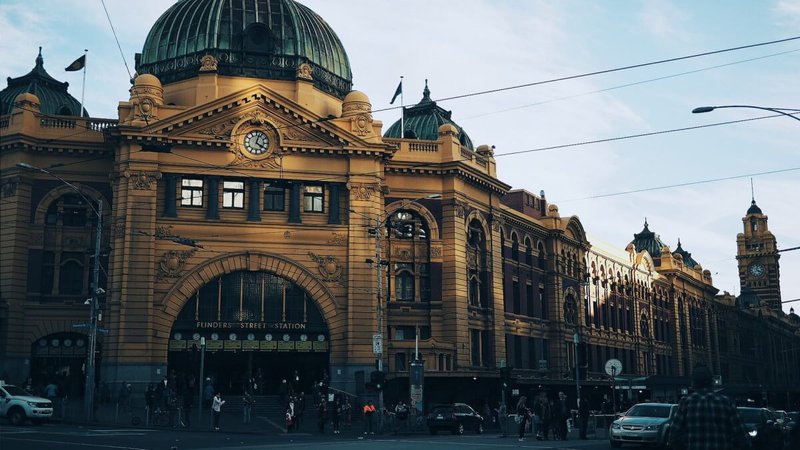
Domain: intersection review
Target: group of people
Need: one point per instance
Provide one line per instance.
(337, 411)
(547, 416)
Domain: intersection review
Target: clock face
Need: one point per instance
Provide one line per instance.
(613, 367)
(756, 270)
(256, 142)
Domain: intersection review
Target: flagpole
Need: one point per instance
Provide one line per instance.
(83, 88)
(402, 112)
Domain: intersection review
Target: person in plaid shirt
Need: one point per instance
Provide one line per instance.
(707, 420)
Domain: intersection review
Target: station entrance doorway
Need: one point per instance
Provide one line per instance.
(258, 328)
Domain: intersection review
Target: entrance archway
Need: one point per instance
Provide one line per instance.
(60, 358)
(256, 324)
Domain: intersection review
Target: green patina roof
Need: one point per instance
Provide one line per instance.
(422, 121)
(254, 38)
(647, 240)
(53, 96)
(754, 209)
(688, 261)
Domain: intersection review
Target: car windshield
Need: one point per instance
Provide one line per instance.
(749, 415)
(442, 410)
(649, 411)
(16, 391)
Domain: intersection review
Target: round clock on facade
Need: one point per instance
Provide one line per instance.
(256, 142)
(756, 270)
(613, 367)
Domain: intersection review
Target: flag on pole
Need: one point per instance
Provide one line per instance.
(397, 92)
(77, 65)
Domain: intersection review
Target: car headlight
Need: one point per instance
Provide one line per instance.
(32, 404)
(651, 427)
(752, 433)
(615, 426)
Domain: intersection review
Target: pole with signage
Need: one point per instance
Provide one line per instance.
(201, 381)
(416, 378)
(613, 367)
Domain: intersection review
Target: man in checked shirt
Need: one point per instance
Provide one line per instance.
(706, 420)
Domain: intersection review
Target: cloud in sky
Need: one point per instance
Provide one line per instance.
(464, 46)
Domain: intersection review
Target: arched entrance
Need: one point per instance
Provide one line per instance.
(255, 324)
(60, 358)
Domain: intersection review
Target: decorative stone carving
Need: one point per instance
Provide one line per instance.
(221, 130)
(293, 134)
(402, 254)
(436, 252)
(118, 230)
(363, 192)
(361, 124)
(257, 118)
(461, 209)
(472, 258)
(172, 263)
(305, 71)
(208, 64)
(142, 181)
(328, 267)
(10, 188)
(287, 234)
(147, 96)
(163, 231)
(338, 239)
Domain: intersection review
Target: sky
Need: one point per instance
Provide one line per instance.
(468, 46)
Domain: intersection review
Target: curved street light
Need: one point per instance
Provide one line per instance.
(88, 398)
(788, 112)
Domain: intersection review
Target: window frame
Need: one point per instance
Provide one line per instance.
(310, 194)
(192, 190)
(272, 193)
(229, 194)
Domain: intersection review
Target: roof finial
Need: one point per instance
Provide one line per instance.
(645, 222)
(426, 93)
(752, 193)
(679, 242)
(39, 59)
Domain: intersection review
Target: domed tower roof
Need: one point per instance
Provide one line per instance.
(422, 121)
(53, 96)
(754, 209)
(647, 240)
(250, 38)
(688, 261)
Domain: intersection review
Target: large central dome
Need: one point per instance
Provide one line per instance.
(251, 38)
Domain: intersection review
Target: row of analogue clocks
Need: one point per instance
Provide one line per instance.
(250, 337)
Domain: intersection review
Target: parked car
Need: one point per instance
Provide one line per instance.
(19, 405)
(456, 418)
(793, 430)
(762, 428)
(644, 423)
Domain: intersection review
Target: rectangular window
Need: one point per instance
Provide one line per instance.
(48, 272)
(424, 282)
(191, 192)
(475, 344)
(274, 198)
(529, 299)
(313, 197)
(532, 361)
(515, 293)
(424, 332)
(405, 333)
(517, 351)
(233, 194)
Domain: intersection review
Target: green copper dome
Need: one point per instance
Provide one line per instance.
(250, 38)
(53, 96)
(422, 121)
(647, 240)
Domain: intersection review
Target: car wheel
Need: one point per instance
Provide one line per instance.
(615, 444)
(479, 430)
(16, 416)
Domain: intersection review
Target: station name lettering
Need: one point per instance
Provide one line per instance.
(252, 325)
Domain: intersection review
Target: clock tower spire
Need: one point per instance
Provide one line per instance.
(757, 254)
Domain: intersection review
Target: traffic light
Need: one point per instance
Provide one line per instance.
(377, 379)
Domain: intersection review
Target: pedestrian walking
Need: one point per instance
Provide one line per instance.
(707, 420)
(502, 417)
(216, 409)
(322, 415)
(247, 406)
(562, 414)
(401, 412)
(188, 402)
(522, 416)
(336, 414)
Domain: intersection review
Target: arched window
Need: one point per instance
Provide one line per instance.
(542, 256)
(477, 267)
(404, 284)
(645, 326)
(514, 247)
(407, 224)
(528, 252)
(70, 279)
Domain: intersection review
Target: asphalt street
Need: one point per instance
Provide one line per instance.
(74, 437)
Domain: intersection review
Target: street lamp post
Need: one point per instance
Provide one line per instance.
(379, 224)
(788, 112)
(88, 399)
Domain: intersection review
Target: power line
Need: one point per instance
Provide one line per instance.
(116, 39)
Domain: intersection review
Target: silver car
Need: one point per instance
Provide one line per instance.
(644, 423)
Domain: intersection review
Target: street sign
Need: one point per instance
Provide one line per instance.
(377, 344)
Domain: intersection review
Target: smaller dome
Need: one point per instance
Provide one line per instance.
(754, 209)
(147, 80)
(356, 96)
(52, 94)
(423, 121)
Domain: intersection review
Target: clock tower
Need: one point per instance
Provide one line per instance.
(757, 254)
